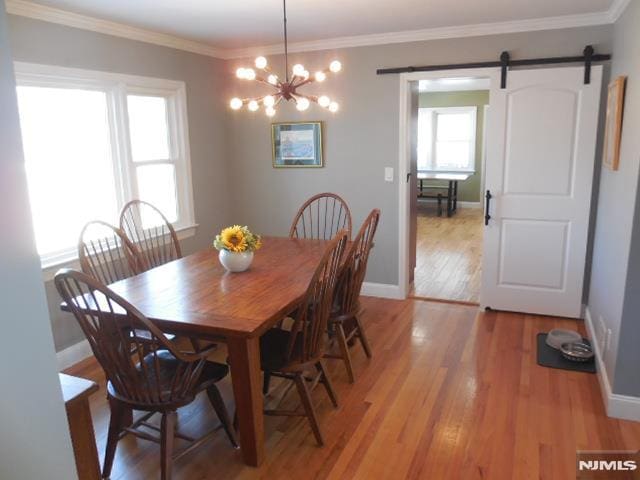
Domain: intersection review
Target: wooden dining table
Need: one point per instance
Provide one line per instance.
(194, 296)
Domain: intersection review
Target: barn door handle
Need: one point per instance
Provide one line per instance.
(487, 217)
(408, 177)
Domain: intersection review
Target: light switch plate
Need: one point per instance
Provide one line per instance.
(388, 174)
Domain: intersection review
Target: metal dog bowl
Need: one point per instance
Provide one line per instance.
(577, 351)
(558, 336)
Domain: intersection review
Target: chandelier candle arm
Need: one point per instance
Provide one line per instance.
(287, 89)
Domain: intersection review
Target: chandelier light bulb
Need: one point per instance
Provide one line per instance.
(270, 111)
(249, 74)
(272, 79)
(334, 107)
(240, 73)
(253, 105)
(302, 104)
(324, 101)
(269, 101)
(335, 66)
(261, 63)
(298, 70)
(305, 74)
(320, 76)
(235, 103)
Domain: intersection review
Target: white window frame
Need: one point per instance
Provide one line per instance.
(117, 87)
(430, 150)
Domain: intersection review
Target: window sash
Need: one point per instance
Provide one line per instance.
(428, 141)
(117, 87)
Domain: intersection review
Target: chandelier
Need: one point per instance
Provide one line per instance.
(286, 89)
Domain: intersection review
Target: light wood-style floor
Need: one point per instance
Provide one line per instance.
(449, 254)
(449, 393)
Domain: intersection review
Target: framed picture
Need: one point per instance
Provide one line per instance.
(297, 144)
(613, 125)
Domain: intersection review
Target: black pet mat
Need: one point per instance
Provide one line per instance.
(552, 358)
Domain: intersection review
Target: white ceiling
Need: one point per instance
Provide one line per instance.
(240, 24)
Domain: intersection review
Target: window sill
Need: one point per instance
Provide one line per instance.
(70, 260)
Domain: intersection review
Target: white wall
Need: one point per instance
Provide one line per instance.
(34, 436)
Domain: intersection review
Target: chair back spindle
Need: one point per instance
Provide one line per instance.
(306, 342)
(355, 265)
(106, 253)
(321, 217)
(150, 231)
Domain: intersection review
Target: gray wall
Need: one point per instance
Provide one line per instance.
(615, 280)
(48, 43)
(469, 190)
(363, 138)
(35, 440)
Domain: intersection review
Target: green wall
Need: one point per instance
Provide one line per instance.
(468, 191)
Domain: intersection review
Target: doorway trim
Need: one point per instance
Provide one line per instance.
(404, 156)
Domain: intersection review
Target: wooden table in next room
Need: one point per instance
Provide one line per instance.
(452, 188)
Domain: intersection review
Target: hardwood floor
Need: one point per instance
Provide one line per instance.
(449, 393)
(449, 254)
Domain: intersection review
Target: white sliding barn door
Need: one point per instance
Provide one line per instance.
(541, 151)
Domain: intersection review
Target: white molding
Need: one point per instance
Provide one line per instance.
(616, 9)
(381, 290)
(37, 11)
(85, 22)
(617, 406)
(438, 33)
(73, 354)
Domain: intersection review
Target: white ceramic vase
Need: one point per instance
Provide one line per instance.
(235, 261)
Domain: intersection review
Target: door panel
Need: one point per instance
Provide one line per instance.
(541, 152)
(413, 180)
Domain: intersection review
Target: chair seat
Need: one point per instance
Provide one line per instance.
(211, 373)
(273, 349)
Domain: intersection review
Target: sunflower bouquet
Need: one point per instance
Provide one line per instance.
(237, 239)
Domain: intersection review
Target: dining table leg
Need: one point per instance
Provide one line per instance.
(244, 360)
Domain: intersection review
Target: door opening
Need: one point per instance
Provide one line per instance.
(448, 162)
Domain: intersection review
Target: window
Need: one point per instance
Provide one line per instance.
(93, 141)
(447, 139)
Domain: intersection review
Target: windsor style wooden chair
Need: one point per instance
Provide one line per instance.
(344, 317)
(149, 374)
(291, 353)
(150, 231)
(106, 253)
(321, 217)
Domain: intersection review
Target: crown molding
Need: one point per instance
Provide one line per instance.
(37, 11)
(616, 9)
(440, 33)
(63, 17)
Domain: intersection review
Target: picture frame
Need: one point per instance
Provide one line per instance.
(297, 144)
(613, 124)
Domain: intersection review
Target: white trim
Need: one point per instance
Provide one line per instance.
(616, 9)
(70, 260)
(404, 159)
(37, 11)
(617, 406)
(85, 22)
(73, 354)
(438, 33)
(381, 290)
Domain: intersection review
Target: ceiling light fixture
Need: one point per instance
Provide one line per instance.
(287, 89)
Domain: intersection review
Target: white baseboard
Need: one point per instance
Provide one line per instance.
(382, 290)
(616, 405)
(73, 354)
